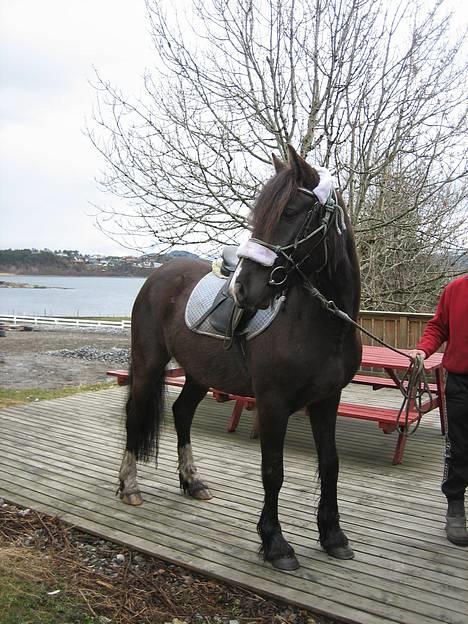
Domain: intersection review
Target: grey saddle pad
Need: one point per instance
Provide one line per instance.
(202, 298)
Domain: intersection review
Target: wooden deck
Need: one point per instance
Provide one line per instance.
(62, 457)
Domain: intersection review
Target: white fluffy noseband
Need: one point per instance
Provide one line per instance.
(253, 251)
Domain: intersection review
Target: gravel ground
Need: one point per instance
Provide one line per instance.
(53, 358)
(122, 586)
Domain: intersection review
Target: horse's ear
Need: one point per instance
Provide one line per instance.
(278, 164)
(296, 161)
(304, 173)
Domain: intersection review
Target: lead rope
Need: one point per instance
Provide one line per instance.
(415, 378)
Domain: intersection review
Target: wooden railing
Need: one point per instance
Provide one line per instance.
(398, 329)
(15, 319)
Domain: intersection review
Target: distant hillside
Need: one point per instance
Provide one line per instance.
(46, 262)
(72, 262)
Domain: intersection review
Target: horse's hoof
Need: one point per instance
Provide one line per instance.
(203, 494)
(286, 564)
(195, 489)
(341, 552)
(132, 499)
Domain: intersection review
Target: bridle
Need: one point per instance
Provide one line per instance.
(269, 253)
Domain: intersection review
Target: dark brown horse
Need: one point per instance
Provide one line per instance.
(302, 246)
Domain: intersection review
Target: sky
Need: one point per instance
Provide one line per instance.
(48, 52)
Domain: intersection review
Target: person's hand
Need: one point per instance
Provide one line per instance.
(415, 352)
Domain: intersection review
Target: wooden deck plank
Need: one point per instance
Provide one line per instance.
(166, 485)
(382, 527)
(161, 477)
(252, 489)
(379, 600)
(209, 528)
(63, 456)
(292, 446)
(373, 521)
(369, 495)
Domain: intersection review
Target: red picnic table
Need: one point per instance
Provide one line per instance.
(394, 366)
(382, 359)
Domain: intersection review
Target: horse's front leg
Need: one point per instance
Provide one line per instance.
(275, 549)
(323, 421)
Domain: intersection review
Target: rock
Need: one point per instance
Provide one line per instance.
(90, 353)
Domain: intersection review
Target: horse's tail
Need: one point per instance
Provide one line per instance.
(145, 415)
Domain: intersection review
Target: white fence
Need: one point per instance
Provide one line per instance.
(13, 320)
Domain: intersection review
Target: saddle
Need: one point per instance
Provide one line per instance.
(229, 260)
(212, 311)
(223, 314)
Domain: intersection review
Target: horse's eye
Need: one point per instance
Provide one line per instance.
(289, 213)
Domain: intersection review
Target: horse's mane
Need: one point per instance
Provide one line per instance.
(272, 201)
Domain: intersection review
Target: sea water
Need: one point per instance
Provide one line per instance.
(69, 296)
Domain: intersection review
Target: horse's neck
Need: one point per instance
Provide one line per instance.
(342, 286)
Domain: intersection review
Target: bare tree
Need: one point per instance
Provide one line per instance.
(372, 89)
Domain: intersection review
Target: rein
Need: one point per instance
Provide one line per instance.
(415, 378)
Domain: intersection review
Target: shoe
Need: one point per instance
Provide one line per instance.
(455, 526)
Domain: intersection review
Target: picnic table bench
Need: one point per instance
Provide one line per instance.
(388, 419)
(176, 377)
(382, 382)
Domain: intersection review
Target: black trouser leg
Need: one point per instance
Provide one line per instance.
(455, 479)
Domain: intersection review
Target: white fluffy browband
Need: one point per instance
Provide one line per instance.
(325, 186)
(253, 251)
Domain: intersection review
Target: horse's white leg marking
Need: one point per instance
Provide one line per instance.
(189, 478)
(187, 468)
(129, 490)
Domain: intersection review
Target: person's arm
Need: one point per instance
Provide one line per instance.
(435, 332)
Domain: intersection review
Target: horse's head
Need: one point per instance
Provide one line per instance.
(293, 219)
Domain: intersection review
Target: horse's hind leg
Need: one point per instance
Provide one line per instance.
(184, 409)
(323, 420)
(144, 409)
(128, 489)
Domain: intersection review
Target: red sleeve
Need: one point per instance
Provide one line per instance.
(436, 331)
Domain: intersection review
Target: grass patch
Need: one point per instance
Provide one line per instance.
(13, 396)
(26, 579)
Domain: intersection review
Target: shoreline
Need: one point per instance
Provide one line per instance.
(5, 284)
(97, 273)
(36, 275)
